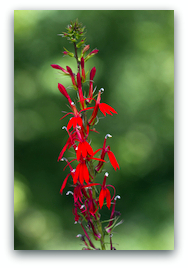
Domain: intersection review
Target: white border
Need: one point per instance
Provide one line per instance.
(129, 259)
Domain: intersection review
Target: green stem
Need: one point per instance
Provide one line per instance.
(76, 56)
(91, 169)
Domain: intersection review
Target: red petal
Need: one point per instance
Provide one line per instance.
(79, 121)
(81, 173)
(108, 198)
(70, 123)
(113, 160)
(75, 178)
(79, 150)
(101, 197)
(84, 149)
(102, 109)
(64, 184)
(97, 151)
(98, 159)
(62, 152)
(88, 148)
(86, 173)
(109, 108)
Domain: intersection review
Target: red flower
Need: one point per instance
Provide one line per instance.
(74, 121)
(82, 173)
(112, 159)
(83, 150)
(104, 108)
(105, 193)
(111, 155)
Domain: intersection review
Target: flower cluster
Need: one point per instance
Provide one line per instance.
(88, 196)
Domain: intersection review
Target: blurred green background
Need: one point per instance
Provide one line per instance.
(135, 66)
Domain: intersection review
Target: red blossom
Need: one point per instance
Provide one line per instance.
(104, 108)
(82, 173)
(84, 148)
(105, 193)
(106, 150)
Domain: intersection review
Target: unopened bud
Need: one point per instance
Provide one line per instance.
(85, 48)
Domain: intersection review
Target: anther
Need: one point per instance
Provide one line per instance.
(101, 90)
(108, 136)
(64, 127)
(79, 235)
(69, 192)
(83, 206)
(117, 197)
(72, 103)
(106, 174)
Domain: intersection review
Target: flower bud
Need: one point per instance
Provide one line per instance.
(85, 48)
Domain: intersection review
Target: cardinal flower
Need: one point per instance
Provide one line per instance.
(104, 193)
(84, 149)
(106, 150)
(104, 108)
(82, 173)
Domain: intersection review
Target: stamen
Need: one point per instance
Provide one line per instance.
(101, 90)
(83, 206)
(106, 174)
(117, 197)
(79, 235)
(69, 192)
(63, 159)
(108, 136)
(72, 103)
(94, 89)
(64, 127)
